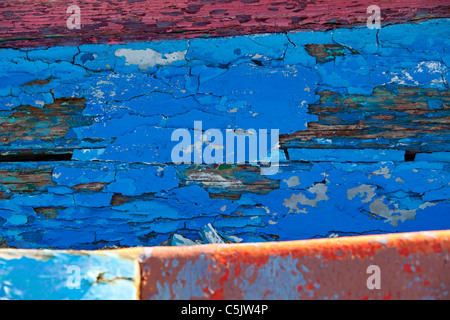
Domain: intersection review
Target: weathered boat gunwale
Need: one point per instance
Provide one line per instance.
(43, 23)
(413, 266)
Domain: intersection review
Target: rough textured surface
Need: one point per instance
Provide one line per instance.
(39, 23)
(87, 115)
(51, 205)
(85, 139)
(412, 266)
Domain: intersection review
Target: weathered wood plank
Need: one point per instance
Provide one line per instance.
(54, 205)
(42, 129)
(297, 270)
(396, 99)
(382, 120)
(410, 266)
(43, 23)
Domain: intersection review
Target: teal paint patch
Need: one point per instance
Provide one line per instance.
(58, 275)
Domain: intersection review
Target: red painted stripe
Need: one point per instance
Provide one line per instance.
(43, 22)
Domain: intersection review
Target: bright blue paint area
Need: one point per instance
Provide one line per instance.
(150, 210)
(270, 89)
(60, 190)
(345, 155)
(71, 176)
(53, 54)
(91, 199)
(221, 51)
(435, 156)
(144, 179)
(144, 144)
(110, 128)
(42, 200)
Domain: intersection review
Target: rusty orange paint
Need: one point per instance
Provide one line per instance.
(412, 266)
(407, 268)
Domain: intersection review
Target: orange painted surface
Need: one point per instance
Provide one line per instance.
(411, 266)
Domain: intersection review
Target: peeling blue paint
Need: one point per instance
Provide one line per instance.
(122, 189)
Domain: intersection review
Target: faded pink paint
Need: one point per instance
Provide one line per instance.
(413, 266)
(36, 23)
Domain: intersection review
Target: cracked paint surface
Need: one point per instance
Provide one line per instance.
(44, 22)
(360, 102)
(87, 205)
(86, 118)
